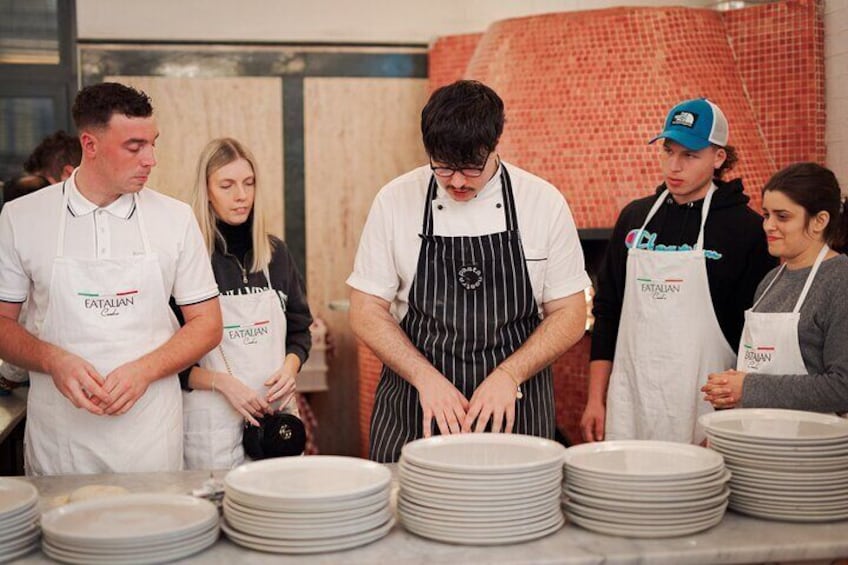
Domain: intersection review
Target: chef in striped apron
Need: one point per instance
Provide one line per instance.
(468, 283)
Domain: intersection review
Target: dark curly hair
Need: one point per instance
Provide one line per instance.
(462, 123)
(95, 104)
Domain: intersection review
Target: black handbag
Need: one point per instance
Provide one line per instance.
(277, 435)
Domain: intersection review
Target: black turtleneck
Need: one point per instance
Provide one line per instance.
(238, 238)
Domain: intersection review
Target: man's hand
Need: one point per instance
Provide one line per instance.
(125, 385)
(282, 385)
(441, 400)
(593, 421)
(79, 382)
(243, 398)
(493, 400)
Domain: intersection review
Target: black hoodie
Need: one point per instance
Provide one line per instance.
(734, 241)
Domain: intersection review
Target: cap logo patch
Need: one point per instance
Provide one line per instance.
(685, 119)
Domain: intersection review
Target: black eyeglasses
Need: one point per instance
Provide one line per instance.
(468, 172)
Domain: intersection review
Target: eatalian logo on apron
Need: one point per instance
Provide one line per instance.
(109, 305)
(756, 356)
(470, 277)
(660, 289)
(248, 334)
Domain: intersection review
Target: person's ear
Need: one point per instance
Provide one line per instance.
(819, 222)
(88, 141)
(719, 158)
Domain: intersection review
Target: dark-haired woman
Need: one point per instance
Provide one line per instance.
(793, 350)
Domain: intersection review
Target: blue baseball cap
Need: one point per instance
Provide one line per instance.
(695, 124)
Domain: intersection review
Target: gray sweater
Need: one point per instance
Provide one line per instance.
(823, 336)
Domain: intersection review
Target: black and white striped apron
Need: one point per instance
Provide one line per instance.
(470, 307)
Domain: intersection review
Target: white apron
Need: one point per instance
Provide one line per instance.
(669, 340)
(109, 312)
(254, 344)
(769, 342)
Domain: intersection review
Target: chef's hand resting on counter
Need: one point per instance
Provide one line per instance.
(724, 390)
(441, 401)
(493, 400)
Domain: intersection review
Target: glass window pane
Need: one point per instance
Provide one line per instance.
(29, 32)
(24, 122)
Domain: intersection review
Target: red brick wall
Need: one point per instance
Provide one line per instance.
(449, 58)
(584, 91)
(779, 51)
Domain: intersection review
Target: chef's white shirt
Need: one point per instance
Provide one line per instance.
(29, 229)
(387, 257)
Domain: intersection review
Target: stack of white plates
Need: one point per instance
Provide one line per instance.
(128, 529)
(307, 504)
(645, 489)
(18, 518)
(481, 488)
(786, 464)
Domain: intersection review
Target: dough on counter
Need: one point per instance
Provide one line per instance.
(96, 491)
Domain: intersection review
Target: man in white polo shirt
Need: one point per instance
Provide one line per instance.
(99, 256)
(468, 283)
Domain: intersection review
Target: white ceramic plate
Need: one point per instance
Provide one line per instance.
(178, 551)
(309, 478)
(308, 546)
(288, 506)
(309, 531)
(16, 531)
(460, 536)
(641, 532)
(484, 453)
(648, 460)
(658, 505)
(680, 490)
(787, 426)
(812, 465)
(495, 517)
(470, 482)
(131, 518)
(484, 534)
(409, 468)
(514, 491)
(16, 496)
(12, 554)
(805, 516)
(322, 519)
(773, 449)
(799, 488)
(480, 503)
(631, 519)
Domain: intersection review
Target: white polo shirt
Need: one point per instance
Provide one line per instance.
(29, 229)
(387, 257)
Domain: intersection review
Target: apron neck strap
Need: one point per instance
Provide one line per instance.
(506, 190)
(807, 284)
(63, 220)
(705, 209)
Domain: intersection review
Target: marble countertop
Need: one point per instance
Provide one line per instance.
(737, 539)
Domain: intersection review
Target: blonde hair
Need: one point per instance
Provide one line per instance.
(219, 153)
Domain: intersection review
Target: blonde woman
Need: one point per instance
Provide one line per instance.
(266, 318)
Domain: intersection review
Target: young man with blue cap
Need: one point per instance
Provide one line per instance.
(681, 267)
